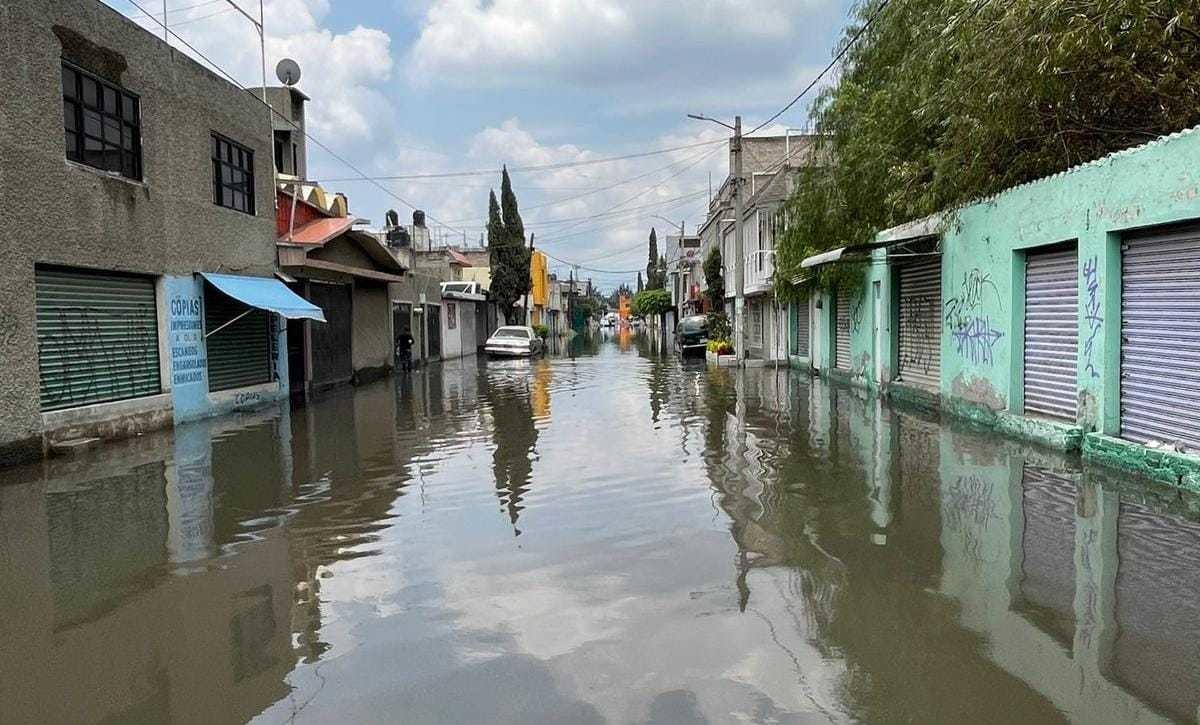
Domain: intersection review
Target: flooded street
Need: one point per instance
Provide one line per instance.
(607, 534)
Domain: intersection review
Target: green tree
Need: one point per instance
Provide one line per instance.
(507, 253)
(652, 280)
(639, 282)
(943, 102)
(713, 280)
(651, 302)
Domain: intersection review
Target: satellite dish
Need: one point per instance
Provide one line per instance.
(288, 72)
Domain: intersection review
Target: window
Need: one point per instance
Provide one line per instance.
(233, 175)
(102, 126)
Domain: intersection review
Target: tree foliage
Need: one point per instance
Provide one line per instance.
(654, 276)
(507, 253)
(651, 302)
(713, 280)
(944, 102)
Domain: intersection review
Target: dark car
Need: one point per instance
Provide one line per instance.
(691, 335)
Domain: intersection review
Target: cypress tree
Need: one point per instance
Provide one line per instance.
(507, 253)
(652, 281)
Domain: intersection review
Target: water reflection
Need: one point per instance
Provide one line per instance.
(694, 544)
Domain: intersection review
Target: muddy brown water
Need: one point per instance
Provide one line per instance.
(608, 534)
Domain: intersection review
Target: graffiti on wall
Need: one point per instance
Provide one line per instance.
(856, 313)
(976, 340)
(1091, 315)
(917, 321)
(970, 322)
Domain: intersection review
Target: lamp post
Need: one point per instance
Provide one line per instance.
(739, 262)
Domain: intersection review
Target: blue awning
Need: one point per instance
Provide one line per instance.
(266, 293)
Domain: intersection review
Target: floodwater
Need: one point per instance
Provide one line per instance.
(603, 535)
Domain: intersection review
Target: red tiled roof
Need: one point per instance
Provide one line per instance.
(319, 231)
(456, 257)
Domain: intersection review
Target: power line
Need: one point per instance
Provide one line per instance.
(294, 125)
(527, 169)
(845, 49)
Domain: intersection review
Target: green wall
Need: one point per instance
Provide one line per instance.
(984, 247)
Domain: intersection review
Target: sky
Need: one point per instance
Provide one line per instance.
(420, 87)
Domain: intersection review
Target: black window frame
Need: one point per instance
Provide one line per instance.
(238, 160)
(105, 132)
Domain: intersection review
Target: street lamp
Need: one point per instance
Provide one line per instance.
(739, 299)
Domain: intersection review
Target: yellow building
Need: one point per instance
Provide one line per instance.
(539, 294)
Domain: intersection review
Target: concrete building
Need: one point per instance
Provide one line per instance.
(1061, 311)
(143, 181)
(685, 274)
(769, 165)
(346, 272)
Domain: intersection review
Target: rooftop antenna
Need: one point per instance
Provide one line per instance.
(288, 72)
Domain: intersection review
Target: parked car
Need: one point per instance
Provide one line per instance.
(513, 341)
(691, 335)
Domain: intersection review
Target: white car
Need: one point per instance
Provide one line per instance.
(513, 340)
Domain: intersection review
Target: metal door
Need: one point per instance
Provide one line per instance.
(1160, 338)
(433, 324)
(842, 330)
(919, 334)
(331, 355)
(97, 335)
(1051, 332)
(401, 325)
(237, 341)
(802, 329)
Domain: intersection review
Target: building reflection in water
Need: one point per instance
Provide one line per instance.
(954, 571)
(902, 568)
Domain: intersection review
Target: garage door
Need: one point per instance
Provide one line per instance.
(920, 325)
(1160, 338)
(238, 342)
(802, 328)
(841, 347)
(331, 361)
(97, 335)
(1051, 332)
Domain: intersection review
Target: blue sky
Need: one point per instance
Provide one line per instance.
(406, 87)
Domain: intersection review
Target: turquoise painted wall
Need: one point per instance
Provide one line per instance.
(984, 247)
(983, 270)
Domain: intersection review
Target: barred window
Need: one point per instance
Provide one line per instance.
(233, 174)
(102, 125)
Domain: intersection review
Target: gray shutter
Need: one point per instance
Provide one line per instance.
(920, 324)
(842, 332)
(1160, 339)
(1051, 332)
(802, 328)
(97, 337)
(239, 355)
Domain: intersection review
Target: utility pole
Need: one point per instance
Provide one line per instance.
(739, 262)
(739, 300)
(525, 304)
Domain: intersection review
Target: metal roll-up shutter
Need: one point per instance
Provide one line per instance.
(97, 336)
(1051, 332)
(919, 331)
(802, 328)
(433, 327)
(1160, 339)
(331, 355)
(841, 347)
(239, 354)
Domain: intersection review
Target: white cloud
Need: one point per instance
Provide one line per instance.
(615, 43)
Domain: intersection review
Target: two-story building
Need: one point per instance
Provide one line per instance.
(769, 165)
(140, 289)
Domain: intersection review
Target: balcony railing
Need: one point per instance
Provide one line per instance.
(759, 270)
